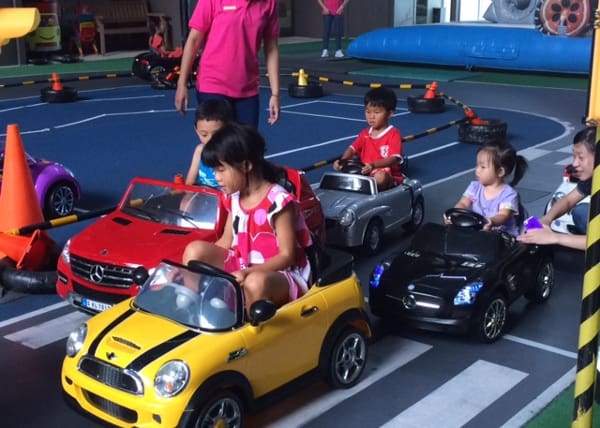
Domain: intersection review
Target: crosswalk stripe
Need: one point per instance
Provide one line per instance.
(49, 331)
(385, 356)
(461, 398)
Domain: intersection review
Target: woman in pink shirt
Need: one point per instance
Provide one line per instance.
(230, 33)
(333, 18)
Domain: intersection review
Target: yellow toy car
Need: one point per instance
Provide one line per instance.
(184, 353)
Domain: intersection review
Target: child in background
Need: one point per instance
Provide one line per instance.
(211, 115)
(378, 147)
(265, 234)
(490, 196)
(157, 42)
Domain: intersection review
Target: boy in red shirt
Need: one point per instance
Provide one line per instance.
(378, 147)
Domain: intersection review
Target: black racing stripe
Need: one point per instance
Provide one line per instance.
(116, 321)
(590, 304)
(152, 354)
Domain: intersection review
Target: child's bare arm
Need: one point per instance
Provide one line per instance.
(501, 218)
(192, 174)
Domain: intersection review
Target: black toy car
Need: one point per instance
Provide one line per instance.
(161, 71)
(458, 277)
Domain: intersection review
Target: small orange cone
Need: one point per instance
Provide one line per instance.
(430, 94)
(56, 85)
(28, 252)
(473, 118)
(178, 179)
(19, 205)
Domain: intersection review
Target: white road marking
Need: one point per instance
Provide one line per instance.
(532, 153)
(48, 332)
(565, 161)
(385, 356)
(32, 314)
(324, 143)
(461, 398)
(538, 345)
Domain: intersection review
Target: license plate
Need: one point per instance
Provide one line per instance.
(92, 304)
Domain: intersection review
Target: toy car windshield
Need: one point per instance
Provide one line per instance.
(453, 241)
(347, 183)
(163, 204)
(203, 300)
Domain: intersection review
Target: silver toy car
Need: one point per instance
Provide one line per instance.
(358, 214)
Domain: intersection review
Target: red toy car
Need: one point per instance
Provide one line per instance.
(155, 220)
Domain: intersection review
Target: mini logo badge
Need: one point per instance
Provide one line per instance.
(111, 356)
(96, 274)
(409, 301)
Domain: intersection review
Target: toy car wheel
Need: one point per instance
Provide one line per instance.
(490, 322)
(424, 105)
(60, 201)
(348, 359)
(490, 131)
(373, 237)
(225, 410)
(544, 283)
(66, 95)
(418, 215)
(312, 90)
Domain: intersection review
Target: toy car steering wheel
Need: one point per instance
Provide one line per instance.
(465, 218)
(351, 166)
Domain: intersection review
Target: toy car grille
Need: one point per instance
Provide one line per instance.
(113, 409)
(111, 375)
(101, 273)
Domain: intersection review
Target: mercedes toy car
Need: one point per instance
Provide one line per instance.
(185, 353)
(455, 277)
(357, 214)
(56, 187)
(564, 223)
(155, 219)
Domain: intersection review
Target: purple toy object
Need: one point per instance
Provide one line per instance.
(56, 187)
(532, 223)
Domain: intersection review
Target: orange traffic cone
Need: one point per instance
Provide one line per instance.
(473, 118)
(178, 179)
(56, 85)
(430, 94)
(19, 205)
(28, 252)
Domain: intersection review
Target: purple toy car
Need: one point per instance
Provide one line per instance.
(55, 185)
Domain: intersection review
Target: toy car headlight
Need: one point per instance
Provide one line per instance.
(171, 378)
(467, 294)
(66, 252)
(378, 273)
(76, 339)
(347, 217)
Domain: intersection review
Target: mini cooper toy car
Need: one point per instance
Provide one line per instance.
(564, 224)
(357, 214)
(155, 219)
(184, 353)
(55, 185)
(456, 277)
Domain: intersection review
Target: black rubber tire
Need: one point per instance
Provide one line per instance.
(66, 95)
(490, 321)
(373, 237)
(224, 409)
(347, 360)
(491, 131)
(423, 105)
(418, 215)
(60, 201)
(312, 90)
(24, 281)
(544, 283)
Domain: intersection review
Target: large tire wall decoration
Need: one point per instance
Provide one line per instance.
(570, 18)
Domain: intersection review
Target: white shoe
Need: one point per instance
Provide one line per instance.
(339, 54)
(325, 53)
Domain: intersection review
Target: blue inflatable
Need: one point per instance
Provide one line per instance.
(475, 45)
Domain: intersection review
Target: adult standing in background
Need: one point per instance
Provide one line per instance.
(333, 19)
(230, 33)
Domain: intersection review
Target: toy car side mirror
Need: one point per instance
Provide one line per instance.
(261, 311)
(140, 275)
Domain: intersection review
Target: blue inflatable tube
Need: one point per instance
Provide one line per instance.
(475, 45)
